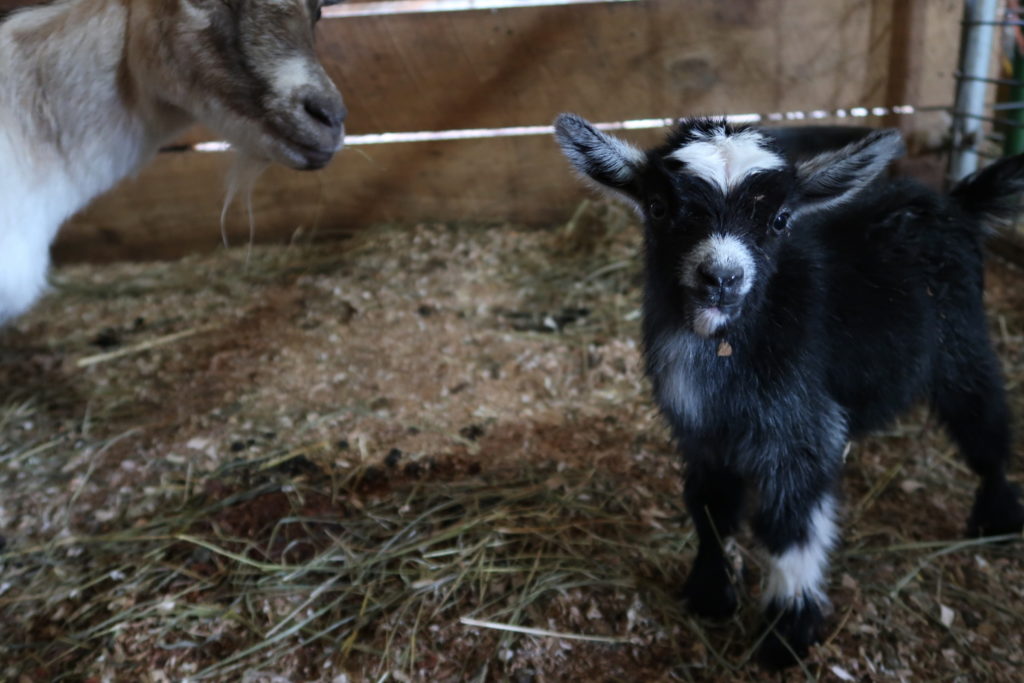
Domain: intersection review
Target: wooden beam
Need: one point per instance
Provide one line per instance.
(173, 207)
(907, 39)
(521, 67)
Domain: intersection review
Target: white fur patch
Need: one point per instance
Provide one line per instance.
(726, 160)
(290, 74)
(677, 388)
(623, 158)
(799, 573)
(708, 321)
(59, 151)
(720, 251)
(197, 18)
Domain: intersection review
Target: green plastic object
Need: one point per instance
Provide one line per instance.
(1014, 141)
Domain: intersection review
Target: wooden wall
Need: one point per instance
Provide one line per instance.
(522, 66)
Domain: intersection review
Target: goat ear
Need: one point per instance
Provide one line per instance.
(606, 160)
(833, 178)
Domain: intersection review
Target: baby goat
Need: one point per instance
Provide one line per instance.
(789, 308)
(89, 89)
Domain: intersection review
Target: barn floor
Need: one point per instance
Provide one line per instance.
(374, 460)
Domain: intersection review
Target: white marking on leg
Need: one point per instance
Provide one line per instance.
(720, 251)
(726, 160)
(799, 573)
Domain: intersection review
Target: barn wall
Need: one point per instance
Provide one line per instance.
(521, 66)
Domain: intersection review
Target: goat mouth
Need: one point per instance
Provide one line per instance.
(306, 157)
(308, 153)
(710, 321)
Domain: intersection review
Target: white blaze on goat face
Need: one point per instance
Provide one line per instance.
(799, 573)
(726, 160)
(291, 74)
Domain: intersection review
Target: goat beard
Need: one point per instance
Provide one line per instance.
(242, 176)
(707, 321)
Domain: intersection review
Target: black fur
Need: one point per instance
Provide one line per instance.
(868, 301)
(804, 142)
(791, 633)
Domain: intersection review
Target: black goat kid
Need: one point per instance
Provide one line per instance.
(789, 308)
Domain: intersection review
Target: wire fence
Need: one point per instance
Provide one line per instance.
(988, 117)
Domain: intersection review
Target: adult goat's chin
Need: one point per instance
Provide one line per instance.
(310, 155)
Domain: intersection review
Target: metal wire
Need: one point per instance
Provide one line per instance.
(984, 130)
(994, 81)
(997, 120)
(997, 22)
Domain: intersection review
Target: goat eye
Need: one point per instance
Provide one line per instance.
(781, 221)
(656, 209)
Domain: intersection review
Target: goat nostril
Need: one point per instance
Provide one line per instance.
(732, 281)
(709, 276)
(324, 111)
(317, 112)
(718, 276)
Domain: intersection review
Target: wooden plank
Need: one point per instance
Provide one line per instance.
(937, 63)
(173, 207)
(908, 36)
(14, 4)
(621, 60)
(613, 61)
(521, 67)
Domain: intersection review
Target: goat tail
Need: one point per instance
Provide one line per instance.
(993, 193)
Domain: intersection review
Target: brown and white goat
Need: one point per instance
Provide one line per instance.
(90, 89)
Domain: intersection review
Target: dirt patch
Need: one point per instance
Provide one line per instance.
(378, 459)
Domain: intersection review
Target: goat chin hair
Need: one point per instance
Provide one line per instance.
(993, 193)
(242, 176)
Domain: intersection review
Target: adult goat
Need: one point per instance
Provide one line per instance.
(90, 89)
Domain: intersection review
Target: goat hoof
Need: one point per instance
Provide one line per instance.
(793, 632)
(997, 511)
(710, 599)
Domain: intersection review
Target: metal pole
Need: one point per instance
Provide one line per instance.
(975, 57)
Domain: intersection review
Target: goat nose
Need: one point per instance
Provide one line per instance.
(720, 277)
(325, 110)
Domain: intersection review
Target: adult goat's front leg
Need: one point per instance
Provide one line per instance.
(799, 530)
(714, 498)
